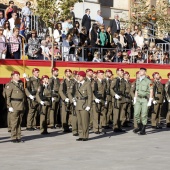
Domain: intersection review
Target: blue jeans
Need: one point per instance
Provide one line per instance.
(16, 54)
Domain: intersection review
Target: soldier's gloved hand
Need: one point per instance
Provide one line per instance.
(74, 100)
(97, 100)
(134, 100)
(105, 103)
(164, 101)
(117, 96)
(154, 102)
(169, 101)
(87, 108)
(53, 99)
(24, 75)
(11, 109)
(31, 97)
(150, 102)
(42, 103)
(67, 100)
(74, 103)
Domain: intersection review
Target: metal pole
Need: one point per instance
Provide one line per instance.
(147, 57)
(82, 53)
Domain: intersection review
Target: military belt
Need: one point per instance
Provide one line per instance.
(82, 98)
(18, 100)
(142, 97)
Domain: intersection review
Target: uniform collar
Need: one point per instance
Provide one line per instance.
(82, 82)
(35, 77)
(142, 77)
(54, 77)
(16, 82)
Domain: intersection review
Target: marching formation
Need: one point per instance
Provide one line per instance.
(85, 101)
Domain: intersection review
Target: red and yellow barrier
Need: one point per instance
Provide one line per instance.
(7, 66)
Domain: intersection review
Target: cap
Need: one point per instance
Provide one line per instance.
(88, 70)
(44, 76)
(126, 72)
(68, 70)
(75, 72)
(109, 71)
(55, 69)
(119, 69)
(142, 68)
(15, 72)
(137, 72)
(100, 71)
(94, 72)
(168, 74)
(82, 73)
(35, 69)
(154, 74)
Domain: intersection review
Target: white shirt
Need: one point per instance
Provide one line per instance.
(99, 19)
(66, 26)
(7, 34)
(12, 24)
(57, 35)
(118, 24)
(139, 41)
(26, 11)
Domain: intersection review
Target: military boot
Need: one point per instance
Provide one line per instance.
(138, 129)
(142, 132)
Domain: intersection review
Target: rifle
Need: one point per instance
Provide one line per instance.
(65, 93)
(117, 92)
(41, 97)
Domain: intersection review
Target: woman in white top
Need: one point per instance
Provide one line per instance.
(96, 57)
(139, 39)
(58, 33)
(7, 33)
(122, 38)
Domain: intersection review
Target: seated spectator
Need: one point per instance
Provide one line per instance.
(12, 21)
(116, 40)
(33, 45)
(2, 19)
(108, 57)
(3, 47)
(122, 39)
(118, 57)
(139, 39)
(165, 58)
(96, 57)
(15, 44)
(7, 33)
(66, 25)
(9, 10)
(103, 37)
(75, 34)
(58, 33)
(150, 58)
(45, 50)
(48, 40)
(77, 26)
(56, 53)
(158, 55)
(125, 58)
(140, 58)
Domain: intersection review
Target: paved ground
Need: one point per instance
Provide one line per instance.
(60, 151)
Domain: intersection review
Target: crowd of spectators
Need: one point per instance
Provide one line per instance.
(76, 41)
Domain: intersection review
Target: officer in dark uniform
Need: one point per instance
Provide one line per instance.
(54, 83)
(32, 84)
(15, 96)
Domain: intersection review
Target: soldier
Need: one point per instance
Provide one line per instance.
(107, 80)
(99, 102)
(94, 75)
(167, 91)
(127, 114)
(54, 83)
(132, 93)
(32, 85)
(65, 91)
(44, 97)
(75, 76)
(82, 104)
(158, 97)
(144, 90)
(15, 96)
(117, 91)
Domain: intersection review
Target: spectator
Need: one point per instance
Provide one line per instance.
(118, 57)
(83, 36)
(9, 10)
(75, 34)
(72, 14)
(45, 50)
(26, 12)
(33, 45)
(110, 43)
(22, 27)
(58, 33)
(122, 38)
(139, 39)
(96, 57)
(125, 58)
(103, 37)
(56, 53)
(48, 40)
(2, 19)
(115, 25)
(116, 40)
(165, 59)
(108, 57)
(77, 26)
(150, 58)
(12, 21)
(139, 58)
(15, 44)
(99, 19)
(7, 33)
(66, 25)
(86, 21)
(129, 39)
(3, 47)
(69, 49)
(94, 36)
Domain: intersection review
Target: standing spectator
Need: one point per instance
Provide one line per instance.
(22, 27)
(110, 43)
(58, 33)
(139, 39)
(12, 21)
(103, 37)
(83, 36)
(45, 50)
(129, 39)
(94, 36)
(7, 33)
(33, 45)
(99, 19)
(96, 57)
(139, 58)
(108, 57)
(9, 10)
(115, 25)
(2, 19)
(15, 44)
(3, 47)
(26, 12)
(77, 26)
(116, 40)
(72, 14)
(125, 58)
(122, 38)
(86, 21)
(66, 25)
(118, 57)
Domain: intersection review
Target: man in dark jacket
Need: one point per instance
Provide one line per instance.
(115, 25)
(86, 21)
